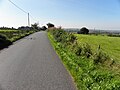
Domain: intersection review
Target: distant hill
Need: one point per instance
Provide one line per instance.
(75, 30)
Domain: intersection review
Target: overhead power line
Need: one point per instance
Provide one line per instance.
(29, 15)
(34, 19)
(21, 10)
(18, 7)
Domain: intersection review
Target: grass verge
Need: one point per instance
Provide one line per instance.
(80, 61)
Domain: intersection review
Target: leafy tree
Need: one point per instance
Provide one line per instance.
(35, 26)
(43, 28)
(83, 30)
(50, 25)
(25, 28)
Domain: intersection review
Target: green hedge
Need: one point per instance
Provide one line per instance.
(7, 37)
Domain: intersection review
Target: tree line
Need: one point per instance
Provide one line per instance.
(34, 26)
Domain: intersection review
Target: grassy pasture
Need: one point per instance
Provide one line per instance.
(110, 45)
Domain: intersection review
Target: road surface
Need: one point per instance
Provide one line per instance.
(32, 64)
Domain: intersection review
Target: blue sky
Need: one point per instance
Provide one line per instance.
(99, 14)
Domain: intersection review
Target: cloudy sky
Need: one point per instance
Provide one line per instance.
(99, 14)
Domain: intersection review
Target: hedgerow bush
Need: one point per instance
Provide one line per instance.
(100, 57)
(78, 50)
(114, 35)
(4, 42)
(62, 36)
(85, 66)
(3, 37)
(9, 36)
(87, 50)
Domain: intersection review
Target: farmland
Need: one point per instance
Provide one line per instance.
(93, 61)
(9, 36)
(110, 45)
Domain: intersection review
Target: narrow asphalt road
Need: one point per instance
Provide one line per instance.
(32, 64)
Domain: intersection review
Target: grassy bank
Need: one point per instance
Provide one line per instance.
(7, 37)
(91, 70)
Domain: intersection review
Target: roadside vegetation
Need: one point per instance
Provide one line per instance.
(110, 45)
(7, 37)
(10, 35)
(88, 61)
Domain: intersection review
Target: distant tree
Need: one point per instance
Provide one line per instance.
(50, 25)
(25, 28)
(35, 26)
(7, 28)
(83, 30)
(43, 28)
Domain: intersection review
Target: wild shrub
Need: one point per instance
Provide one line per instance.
(62, 36)
(59, 35)
(78, 50)
(87, 51)
(4, 42)
(3, 37)
(72, 38)
(100, 57)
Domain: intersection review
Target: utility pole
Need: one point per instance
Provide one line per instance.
(28, 20)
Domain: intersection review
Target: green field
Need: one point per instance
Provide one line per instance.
(110, 45)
